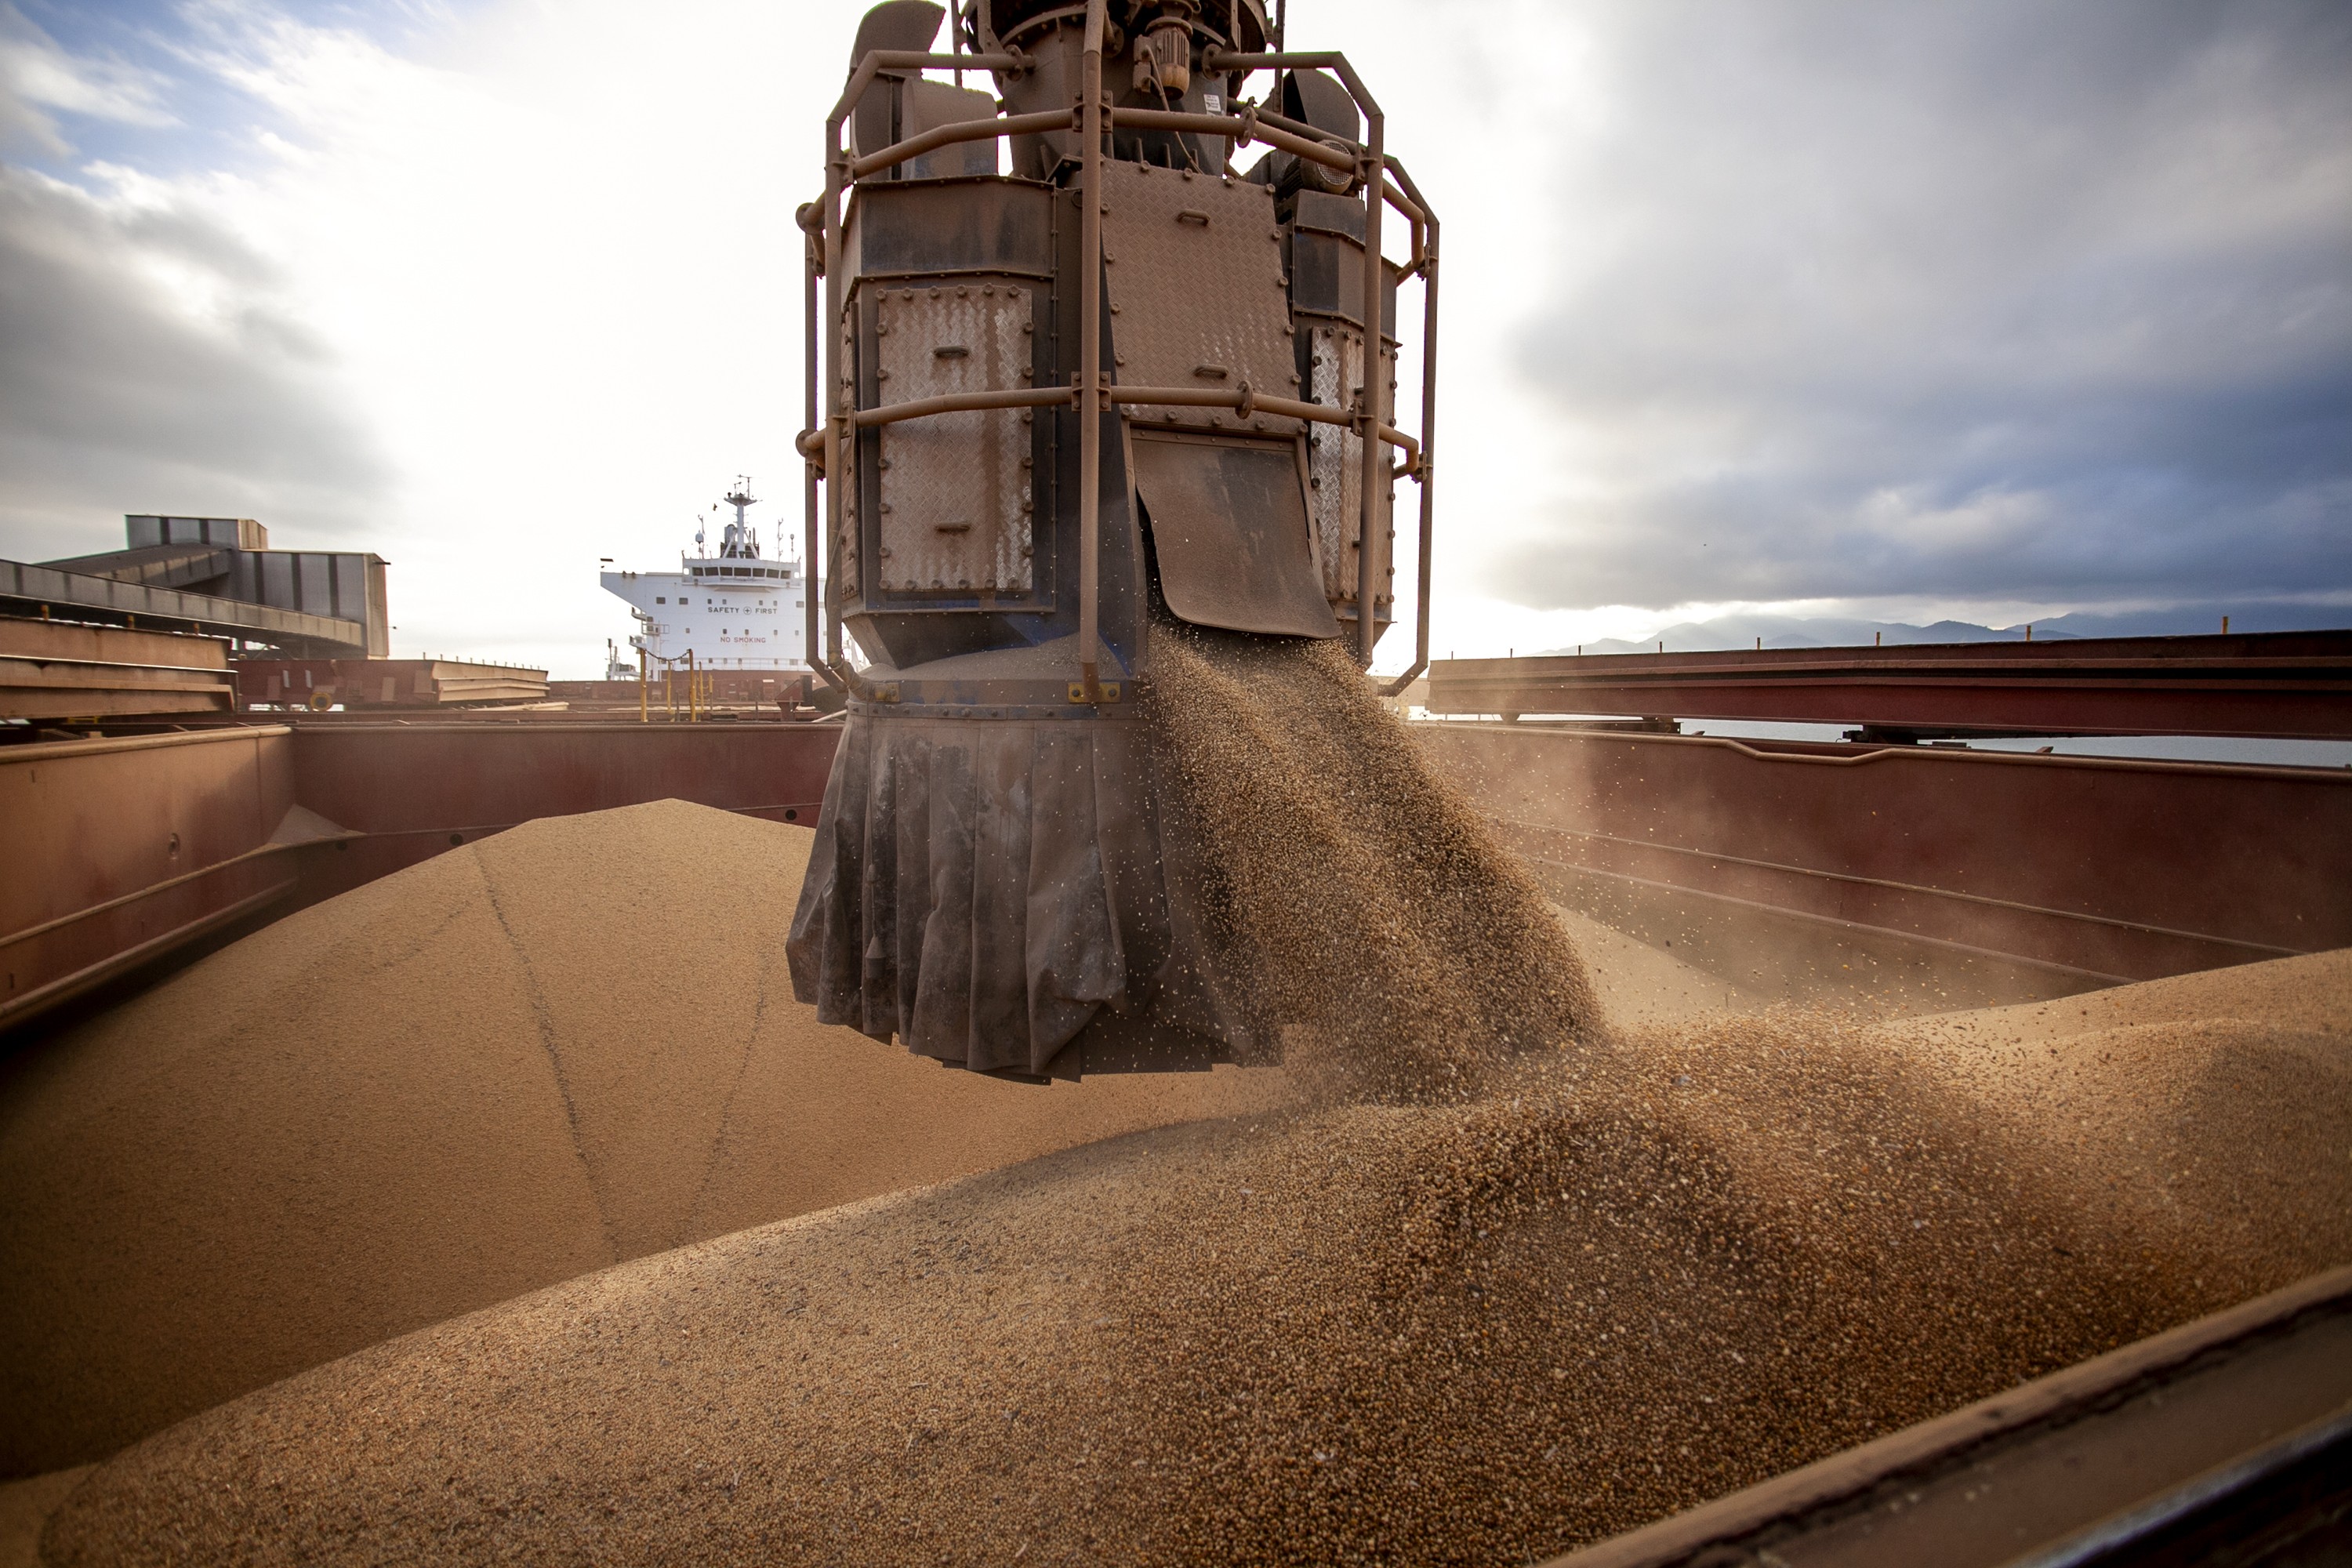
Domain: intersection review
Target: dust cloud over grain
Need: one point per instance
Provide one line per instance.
(1501, 1288)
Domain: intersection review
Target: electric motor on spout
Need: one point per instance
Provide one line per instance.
(1061, 398)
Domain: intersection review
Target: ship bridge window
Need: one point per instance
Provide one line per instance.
(659, 600)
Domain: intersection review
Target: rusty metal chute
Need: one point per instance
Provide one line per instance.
(1105, 376)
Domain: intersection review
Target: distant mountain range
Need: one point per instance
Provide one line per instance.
(1797, 631)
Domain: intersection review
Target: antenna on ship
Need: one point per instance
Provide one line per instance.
(741, 539)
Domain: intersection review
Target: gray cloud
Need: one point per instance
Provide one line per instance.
(1998, 301)
(116, 396)
(145, 363)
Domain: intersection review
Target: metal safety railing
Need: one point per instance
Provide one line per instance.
(700, 686)
(820, 442)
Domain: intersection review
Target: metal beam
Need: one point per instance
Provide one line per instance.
(57, 669)
(155, 565)
(26, 588)
(2290, 685)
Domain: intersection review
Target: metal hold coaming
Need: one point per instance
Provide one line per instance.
(2290, 685)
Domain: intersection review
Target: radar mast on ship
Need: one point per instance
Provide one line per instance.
(738, 542)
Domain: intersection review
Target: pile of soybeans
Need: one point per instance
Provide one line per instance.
(1485, 1273)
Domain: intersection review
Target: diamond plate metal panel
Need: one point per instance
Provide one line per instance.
(954, 496)
(1192, 274)
(1335, 463)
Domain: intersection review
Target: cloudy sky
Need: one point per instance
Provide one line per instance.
(1987, 310)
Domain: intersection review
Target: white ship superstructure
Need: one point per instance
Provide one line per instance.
(735, 610)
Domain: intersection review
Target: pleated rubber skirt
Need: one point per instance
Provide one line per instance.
(996, 893)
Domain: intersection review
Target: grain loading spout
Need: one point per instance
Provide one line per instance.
(1063, 393)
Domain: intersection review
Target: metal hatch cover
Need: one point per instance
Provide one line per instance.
(954, 495)
(1229, 525)
(1193, 284)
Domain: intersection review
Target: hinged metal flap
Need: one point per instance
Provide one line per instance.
(1229, 524)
